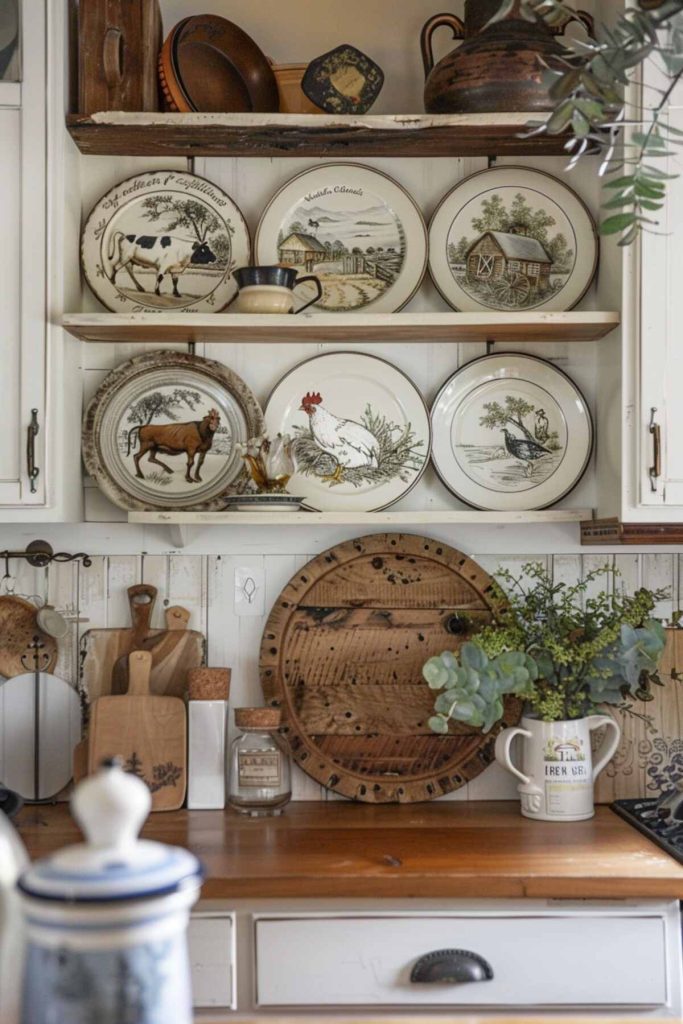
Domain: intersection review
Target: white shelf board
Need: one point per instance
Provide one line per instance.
(164, 328)
(387, 518)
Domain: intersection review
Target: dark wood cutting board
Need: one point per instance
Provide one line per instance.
(342, 655)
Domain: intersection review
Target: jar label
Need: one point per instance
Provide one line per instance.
(259, 768)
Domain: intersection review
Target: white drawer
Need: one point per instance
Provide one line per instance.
(211, 941)
(579, 959)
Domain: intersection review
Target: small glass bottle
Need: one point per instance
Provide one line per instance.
(260, 774)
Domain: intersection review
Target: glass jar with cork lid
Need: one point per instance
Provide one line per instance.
(260, 772)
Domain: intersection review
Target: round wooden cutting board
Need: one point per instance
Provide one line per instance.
(342, 656)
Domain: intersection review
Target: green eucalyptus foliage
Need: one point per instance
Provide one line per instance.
(564, 649)
(589, 92)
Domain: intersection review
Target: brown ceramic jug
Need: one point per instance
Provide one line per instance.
(499, 65)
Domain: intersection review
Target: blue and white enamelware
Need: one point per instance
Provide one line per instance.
(107, 919)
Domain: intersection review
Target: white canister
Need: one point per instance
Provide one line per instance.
(107, 919)
(558, 768)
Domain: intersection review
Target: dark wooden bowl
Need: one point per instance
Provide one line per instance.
(220, 69)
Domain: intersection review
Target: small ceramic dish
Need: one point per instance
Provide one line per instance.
(263, 503)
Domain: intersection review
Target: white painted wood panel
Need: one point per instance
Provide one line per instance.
(211, 942)
(547, 960)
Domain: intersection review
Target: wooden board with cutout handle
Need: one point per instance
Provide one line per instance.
(146, 731)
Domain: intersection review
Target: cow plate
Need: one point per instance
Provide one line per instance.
(163, 430)
(164, 240)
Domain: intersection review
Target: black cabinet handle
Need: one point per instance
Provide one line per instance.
(452, 966)
(31, 469)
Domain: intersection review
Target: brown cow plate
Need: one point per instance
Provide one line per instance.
(163, 430)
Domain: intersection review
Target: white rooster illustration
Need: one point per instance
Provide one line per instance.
(349, 442)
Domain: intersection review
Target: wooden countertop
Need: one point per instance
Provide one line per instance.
(446, 849)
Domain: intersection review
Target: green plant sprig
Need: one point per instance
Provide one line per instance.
(588, 87)
(562, 648)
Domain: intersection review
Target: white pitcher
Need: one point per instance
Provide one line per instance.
(558, 770)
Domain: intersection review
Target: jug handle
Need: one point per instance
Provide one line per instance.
(586, 19)
(609, 746)
(503, 743)
(428, 30)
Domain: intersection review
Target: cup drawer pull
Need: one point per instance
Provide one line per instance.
(452, 966)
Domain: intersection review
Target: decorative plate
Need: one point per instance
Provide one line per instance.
(511, 433)
(353, 227)
(263, 503)
(163, 429)
(511, 238)
(360, 429)
(164, 240)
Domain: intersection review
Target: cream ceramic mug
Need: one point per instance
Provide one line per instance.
(558, 770)
(271, 289)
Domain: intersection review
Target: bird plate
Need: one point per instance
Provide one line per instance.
(356, 229)
(512, 238)
(360, 429)
(164, 240)
(511, 433)
(163, 432)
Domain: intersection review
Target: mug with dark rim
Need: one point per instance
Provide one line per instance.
(271, 289)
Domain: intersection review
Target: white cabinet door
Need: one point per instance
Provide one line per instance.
(660, 355)
(23, 256)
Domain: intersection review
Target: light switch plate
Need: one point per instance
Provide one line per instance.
(250, 590)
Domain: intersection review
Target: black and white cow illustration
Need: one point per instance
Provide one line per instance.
(166, 254)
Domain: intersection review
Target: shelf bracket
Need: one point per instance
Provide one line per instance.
(490, 342)
(178, 534)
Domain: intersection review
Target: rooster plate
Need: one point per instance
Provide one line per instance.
(360, 430)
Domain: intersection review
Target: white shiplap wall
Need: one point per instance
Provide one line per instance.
(205, 585)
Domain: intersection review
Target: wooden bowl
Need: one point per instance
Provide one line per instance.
(211, 65)
(293, 100)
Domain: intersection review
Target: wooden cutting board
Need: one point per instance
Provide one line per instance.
(174, 651)
(342, 655)
(101, 649)
(18, 627)
(146, 731)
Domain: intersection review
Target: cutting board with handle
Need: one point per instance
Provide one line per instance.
(103, 649)
(146, 731)
(174, 651)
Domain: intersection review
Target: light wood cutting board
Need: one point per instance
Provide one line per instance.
(102, 649)
(147, 732)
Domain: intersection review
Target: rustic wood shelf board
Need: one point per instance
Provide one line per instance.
(320, 135)
(440, 850)
(437, 517)
(517, 328)
(613, 531)
(342, 655)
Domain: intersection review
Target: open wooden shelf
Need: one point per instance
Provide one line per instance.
(439, 517)
(320, 135)
(164, 328)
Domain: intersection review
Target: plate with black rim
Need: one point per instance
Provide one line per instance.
(354, 228)
(512, 239)
(510, 433)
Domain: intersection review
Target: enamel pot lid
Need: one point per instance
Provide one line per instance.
(112, 864)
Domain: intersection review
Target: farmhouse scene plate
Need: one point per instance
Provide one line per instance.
(511, 238)
(360, 431)
(511, 433)
(164, 240)
(353, 227)
(163, 430)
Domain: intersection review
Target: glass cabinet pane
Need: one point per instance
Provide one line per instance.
(10, 49)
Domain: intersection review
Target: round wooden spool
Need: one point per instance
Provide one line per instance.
(342, 656)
